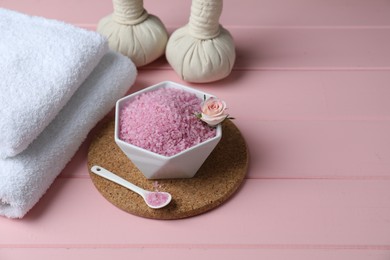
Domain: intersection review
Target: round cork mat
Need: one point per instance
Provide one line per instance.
(217, 179)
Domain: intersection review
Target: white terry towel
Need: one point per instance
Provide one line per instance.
(26, 177)
(42, 63)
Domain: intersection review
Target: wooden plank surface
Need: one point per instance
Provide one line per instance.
(307, 49)
(312, 214)
(309, 91)
(248, 13)
(190, 253)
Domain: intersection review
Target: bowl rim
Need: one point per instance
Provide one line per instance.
(163, 84)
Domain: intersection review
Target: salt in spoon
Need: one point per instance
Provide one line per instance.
(154, 200)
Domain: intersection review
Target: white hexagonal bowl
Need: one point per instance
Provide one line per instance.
(156, 166)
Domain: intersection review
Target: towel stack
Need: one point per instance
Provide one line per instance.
(56, 82)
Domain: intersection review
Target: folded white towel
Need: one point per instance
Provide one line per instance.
(42, 63)
(26, 177)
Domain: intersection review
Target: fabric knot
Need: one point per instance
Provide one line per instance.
(204, 18)
(129, 12)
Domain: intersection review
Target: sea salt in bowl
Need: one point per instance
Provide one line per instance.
(156, 165)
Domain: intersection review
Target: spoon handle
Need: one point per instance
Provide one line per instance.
(98, 170)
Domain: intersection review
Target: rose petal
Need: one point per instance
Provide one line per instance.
(213, 107)
(213, 121)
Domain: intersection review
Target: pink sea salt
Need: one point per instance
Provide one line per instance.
(163, 121)
(156, 199)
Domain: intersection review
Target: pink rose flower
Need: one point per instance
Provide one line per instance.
(213, 111)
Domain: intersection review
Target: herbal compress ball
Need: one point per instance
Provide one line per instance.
(202, 51)
(133, 32)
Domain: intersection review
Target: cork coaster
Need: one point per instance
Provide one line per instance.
(217, 179)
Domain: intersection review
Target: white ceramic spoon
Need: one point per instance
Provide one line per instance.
(154, 200)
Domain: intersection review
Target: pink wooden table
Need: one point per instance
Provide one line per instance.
(310, 92)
